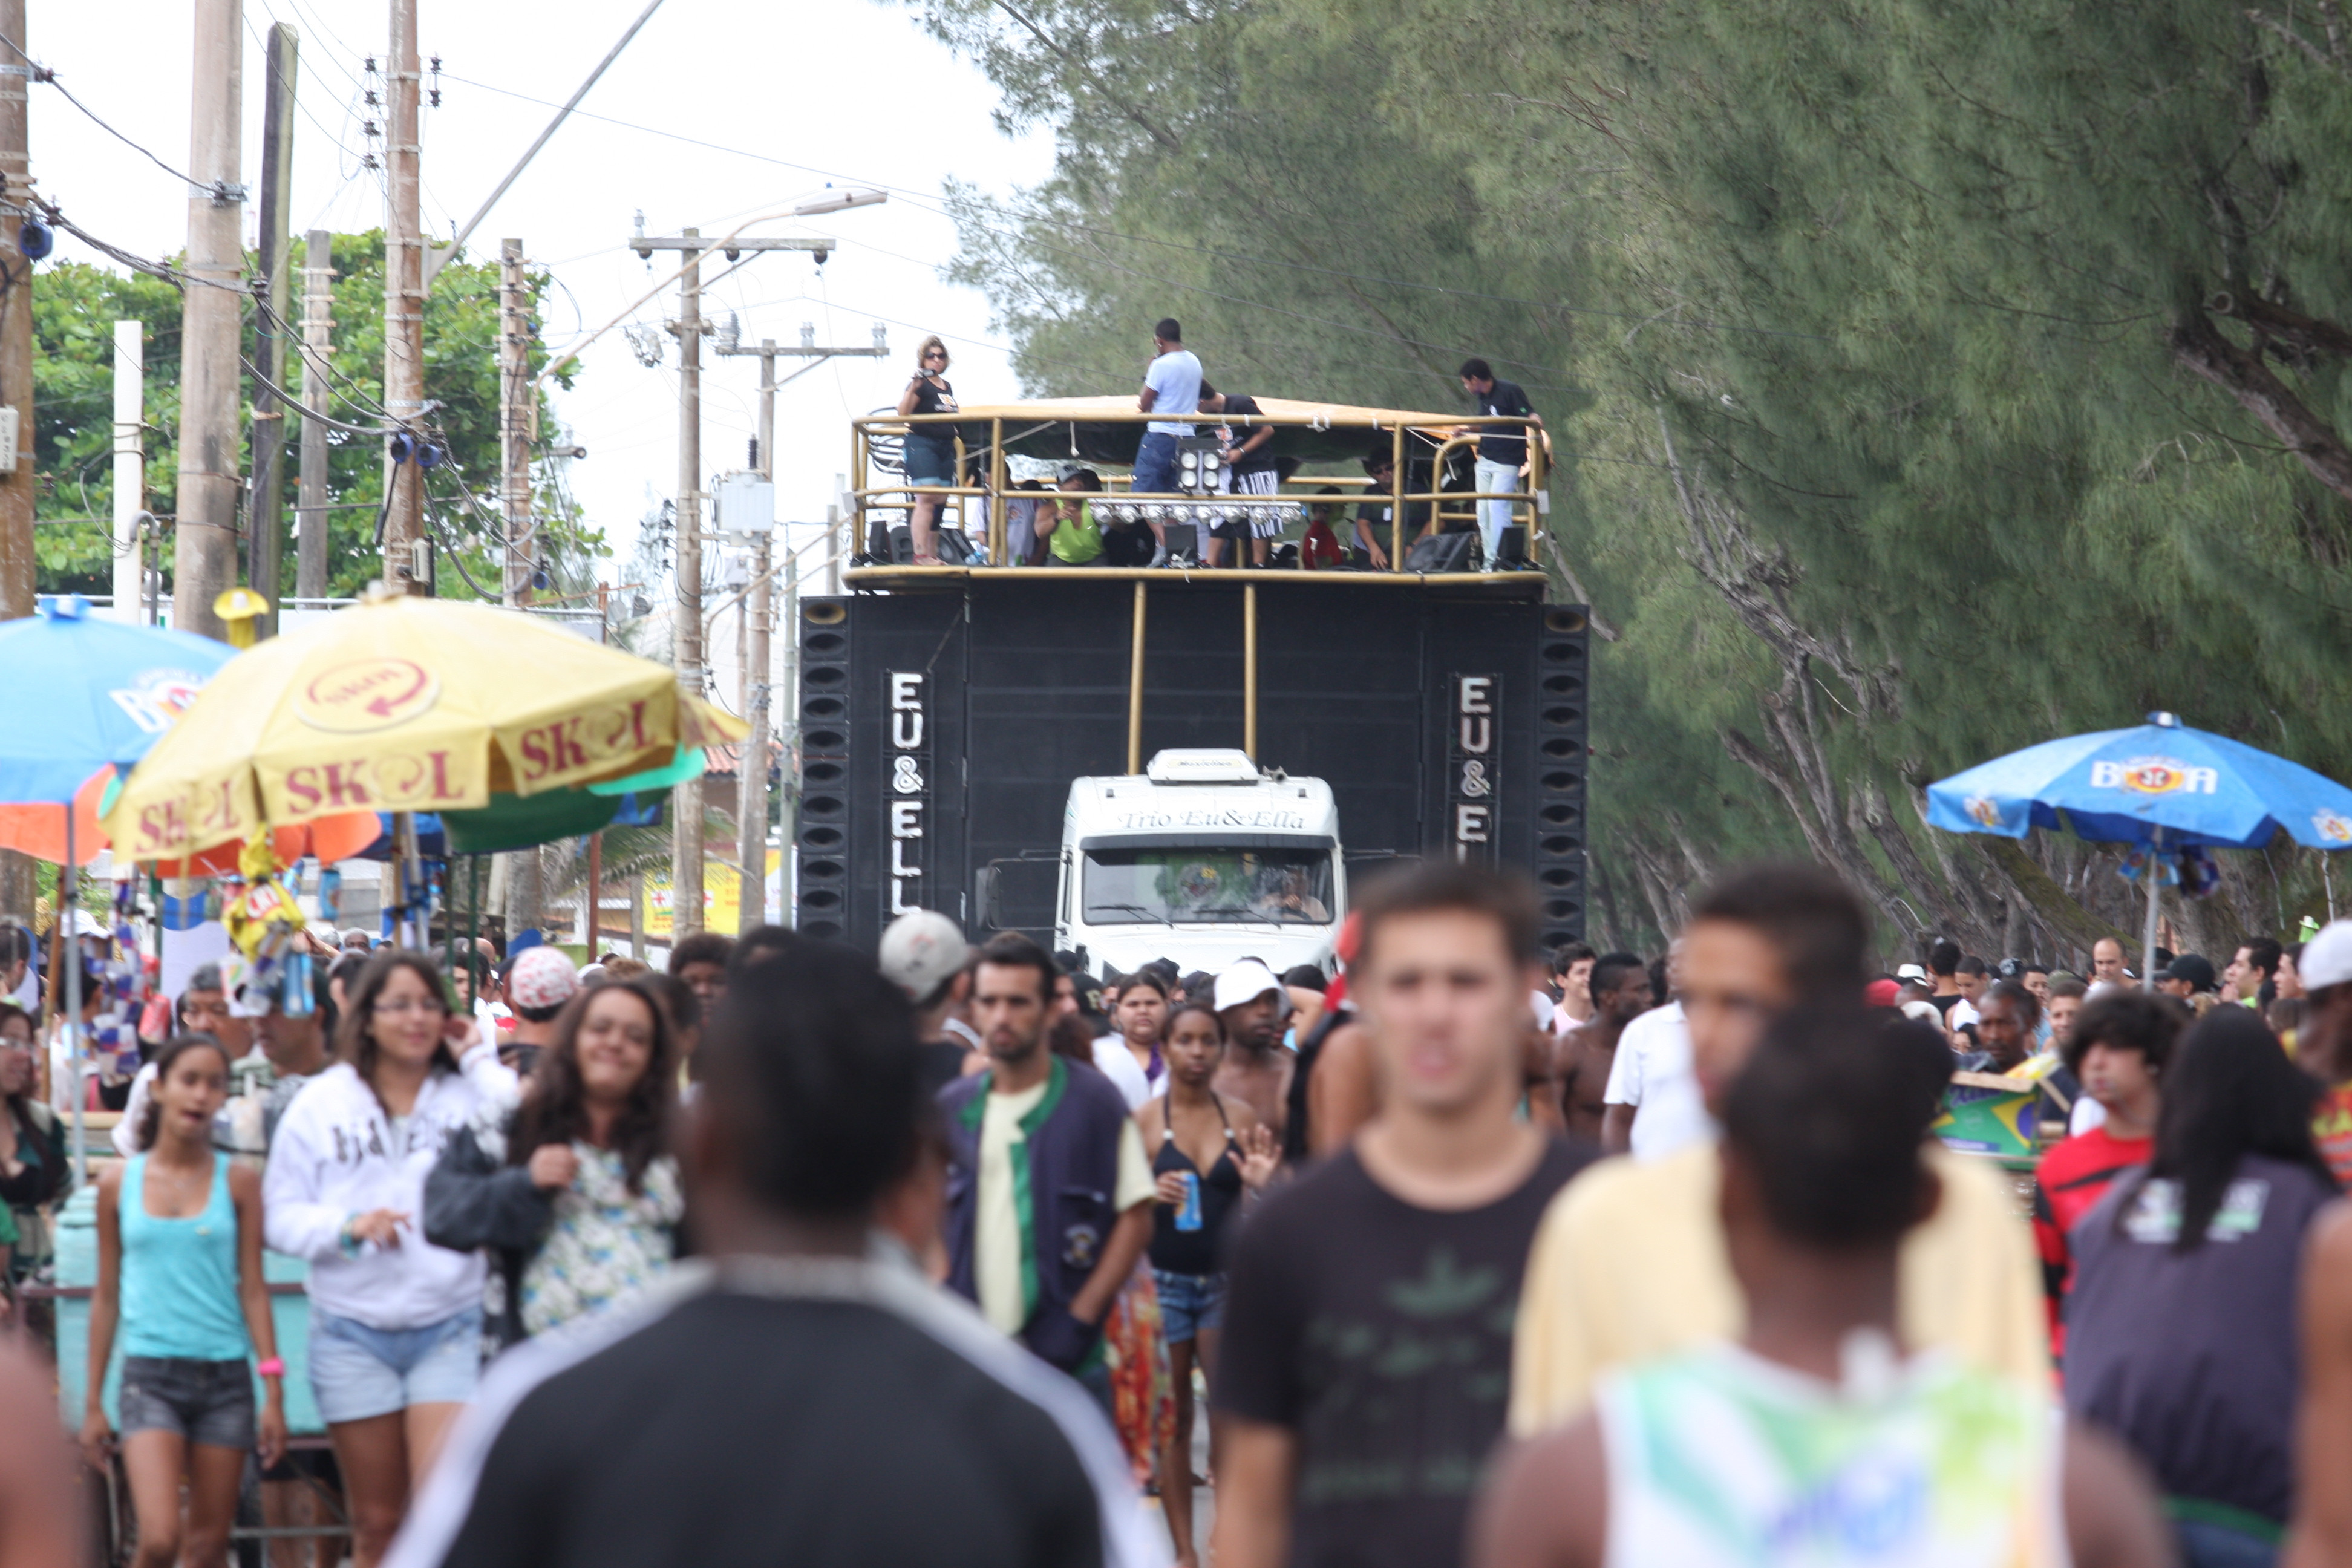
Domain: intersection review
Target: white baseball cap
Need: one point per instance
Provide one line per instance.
(921, 950)
(2326, 958)
(1911, 971)
(1247, 981)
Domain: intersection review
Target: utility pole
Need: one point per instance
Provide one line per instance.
(129, 471)
(404, 304)
(211, 332)
(517, 409)
(318, 345)
(268, 513)
(17, 561)
(686, 799)
(760, 661)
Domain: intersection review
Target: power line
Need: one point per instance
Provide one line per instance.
(923, 199)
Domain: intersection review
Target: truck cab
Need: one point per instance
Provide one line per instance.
(1203, 860)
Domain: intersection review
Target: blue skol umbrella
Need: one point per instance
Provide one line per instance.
(84, 694)
(2159, 784)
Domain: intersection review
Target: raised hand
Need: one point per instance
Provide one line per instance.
(1261, 1156)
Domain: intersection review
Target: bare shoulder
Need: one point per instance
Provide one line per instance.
(2328, 1246)
(1147, 1118)
(244, 1181)
(2111, 1515)
(110, 1184)
(1240, 1113)
(1546, 1503)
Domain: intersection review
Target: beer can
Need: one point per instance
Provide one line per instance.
(1188, 1213)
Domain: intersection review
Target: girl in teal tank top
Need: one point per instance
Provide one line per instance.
(180, 1287)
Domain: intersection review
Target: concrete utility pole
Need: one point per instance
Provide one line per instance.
(404, 302)
(318, 347)
(129, 471)
(752, 815)
(17, 561)
(268, 513)
(518, 421)
(686, 799)
(211, 332)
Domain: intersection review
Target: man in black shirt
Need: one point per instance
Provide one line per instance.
(1375, 519)
(799, 1393)
(925, 955)
(1368, 1334)
(1502, 449)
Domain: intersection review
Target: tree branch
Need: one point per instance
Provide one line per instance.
(2199, 346)
(2304, 334)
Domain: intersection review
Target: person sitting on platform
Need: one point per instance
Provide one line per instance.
(1068, 530)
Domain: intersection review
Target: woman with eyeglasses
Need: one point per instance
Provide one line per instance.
(928, 450)
(395, 1322)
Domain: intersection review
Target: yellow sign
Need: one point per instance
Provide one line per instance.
(722, 899)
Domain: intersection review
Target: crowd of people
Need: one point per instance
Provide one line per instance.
(1483, 1255)
(1065, 523)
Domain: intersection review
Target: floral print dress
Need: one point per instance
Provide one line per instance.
(606, 1241)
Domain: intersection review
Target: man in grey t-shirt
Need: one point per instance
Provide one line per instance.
(1172, 385)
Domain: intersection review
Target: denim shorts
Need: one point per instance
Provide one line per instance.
(358, 1371)
(929, 459)
(207, 1402)
(1189, 1303)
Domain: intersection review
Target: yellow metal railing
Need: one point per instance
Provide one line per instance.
(1434, 440)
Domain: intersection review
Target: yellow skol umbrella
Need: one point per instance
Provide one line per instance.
(401, 704)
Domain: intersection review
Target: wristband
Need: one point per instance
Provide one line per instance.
(273, 1367)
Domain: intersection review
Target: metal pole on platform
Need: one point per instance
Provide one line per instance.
(1135, 688)
(1249, 668)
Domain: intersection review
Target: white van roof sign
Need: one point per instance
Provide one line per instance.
(1202, 765)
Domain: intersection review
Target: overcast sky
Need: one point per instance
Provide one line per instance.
(786, 98)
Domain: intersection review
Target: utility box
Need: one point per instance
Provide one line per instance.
(7, 442)
(744, 505)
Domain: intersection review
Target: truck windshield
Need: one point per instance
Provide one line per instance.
(1280, 887)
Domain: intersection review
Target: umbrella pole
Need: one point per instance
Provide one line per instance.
(66, 948)
(2147, 932)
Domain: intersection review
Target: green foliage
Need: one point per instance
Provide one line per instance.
(1932, 379)
(75, 307)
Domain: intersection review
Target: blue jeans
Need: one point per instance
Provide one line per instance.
(357, 1371)
(1155, 464)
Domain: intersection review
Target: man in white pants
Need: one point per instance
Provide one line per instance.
(1502, 451)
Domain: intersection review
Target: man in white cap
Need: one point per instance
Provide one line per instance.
(1252, 1005)
(539, 981)
(924, 954)
(2323, 1039)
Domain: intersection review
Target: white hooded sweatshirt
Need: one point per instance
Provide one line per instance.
(337, 1156)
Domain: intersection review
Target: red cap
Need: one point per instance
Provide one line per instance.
(1882, 992)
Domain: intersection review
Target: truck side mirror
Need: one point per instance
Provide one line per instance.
(992, 913)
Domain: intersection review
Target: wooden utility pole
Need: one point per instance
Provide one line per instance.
(686, 799)
(318, 347)
(268, 513)
(518, 408)
(17, 561)
(759, 667)
(129, 471)
(404, 304)
(211, 328)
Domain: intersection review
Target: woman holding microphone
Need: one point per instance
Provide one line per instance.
(928, 450)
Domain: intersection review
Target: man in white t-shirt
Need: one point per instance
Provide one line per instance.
(1172, 385)
(1655, 1106)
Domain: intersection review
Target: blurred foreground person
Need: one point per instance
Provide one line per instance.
(2180, 1328)
(796, 1394)
(1367, 1339)
(1820, 1436)
(1630, 1262)
(38, 1500)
